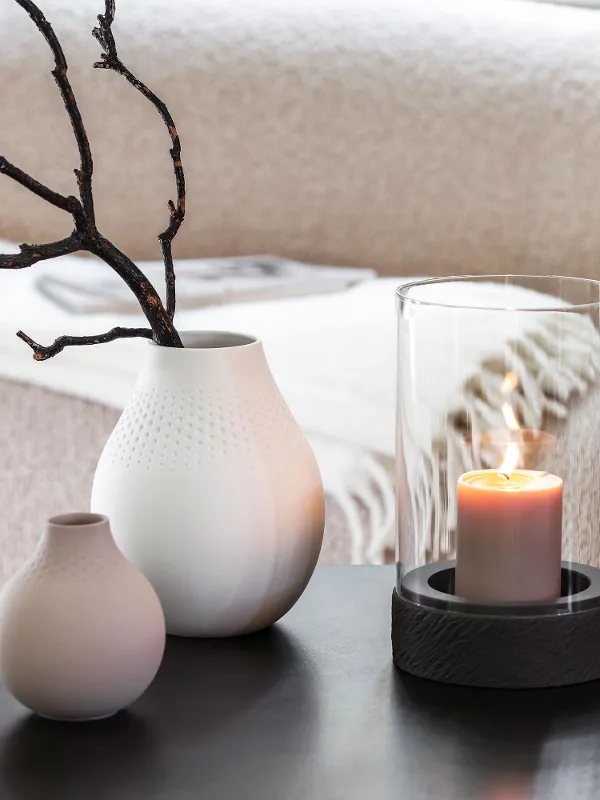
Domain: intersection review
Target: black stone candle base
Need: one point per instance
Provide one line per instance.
(442, 637)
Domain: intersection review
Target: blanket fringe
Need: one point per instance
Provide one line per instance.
(362, 485)
(550, 375)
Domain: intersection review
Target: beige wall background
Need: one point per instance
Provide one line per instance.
(412, 137)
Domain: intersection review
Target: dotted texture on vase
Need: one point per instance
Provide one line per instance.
(71, 562)
(173, 430)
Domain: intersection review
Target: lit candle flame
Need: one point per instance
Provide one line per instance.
(511, 459)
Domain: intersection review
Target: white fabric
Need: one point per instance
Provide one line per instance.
(333, 356)
(413, 136)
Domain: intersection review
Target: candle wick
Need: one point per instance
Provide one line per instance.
(504, 475)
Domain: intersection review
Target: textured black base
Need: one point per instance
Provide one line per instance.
(498, 649)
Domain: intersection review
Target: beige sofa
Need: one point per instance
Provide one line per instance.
(411, 137)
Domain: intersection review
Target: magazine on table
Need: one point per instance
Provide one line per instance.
(201, 283)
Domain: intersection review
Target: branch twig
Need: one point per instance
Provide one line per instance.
(70, 203)
(41, 353)
(86, 235)
(32, 253)
(164, 331)
(110, 60)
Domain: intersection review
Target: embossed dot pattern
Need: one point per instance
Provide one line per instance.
(164, 429)
(71, 563)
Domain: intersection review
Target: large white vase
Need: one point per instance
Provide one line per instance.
(211, 488)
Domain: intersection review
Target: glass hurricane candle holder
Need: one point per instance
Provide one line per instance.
(498, 547)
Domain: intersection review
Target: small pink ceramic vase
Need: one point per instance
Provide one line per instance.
(82, 632)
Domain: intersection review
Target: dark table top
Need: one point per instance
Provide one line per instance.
(310, 710)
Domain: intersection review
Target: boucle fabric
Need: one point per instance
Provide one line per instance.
(414, 137)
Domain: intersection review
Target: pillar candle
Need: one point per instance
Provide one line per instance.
(509, 536)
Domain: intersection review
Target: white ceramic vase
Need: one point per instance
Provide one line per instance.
(211, 488)
(82, 632)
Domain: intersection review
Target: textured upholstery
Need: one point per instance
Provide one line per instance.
(415, 137)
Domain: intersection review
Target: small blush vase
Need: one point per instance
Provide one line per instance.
(82, 632)
(212, 490)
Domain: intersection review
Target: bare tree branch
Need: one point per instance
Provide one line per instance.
(86, 235)
(164, 331)
(70, 203)
(84, 173)
(32, 253)
(41, 353)
(111, 60)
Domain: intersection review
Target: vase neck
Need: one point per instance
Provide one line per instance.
(78, 534)
(213, 357)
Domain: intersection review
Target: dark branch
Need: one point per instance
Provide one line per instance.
(32, 253)
(111, 60)
(84, 173)
(148, 298)
(41, 353)
(86, 236)
(70, 203)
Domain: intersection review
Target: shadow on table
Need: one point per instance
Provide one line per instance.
(214, 718)
(41, 759)
(239, 714)
(496, 744)
(206, 684)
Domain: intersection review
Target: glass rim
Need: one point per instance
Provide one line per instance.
(404, 288)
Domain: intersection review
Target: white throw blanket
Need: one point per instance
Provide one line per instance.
(334, 358)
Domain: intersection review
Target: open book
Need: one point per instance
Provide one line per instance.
(200, 283)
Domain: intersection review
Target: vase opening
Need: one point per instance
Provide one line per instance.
(77, 519)
(214, 340)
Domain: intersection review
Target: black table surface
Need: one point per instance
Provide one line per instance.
(311, 709)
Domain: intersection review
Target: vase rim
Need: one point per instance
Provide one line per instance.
(78, 519)
(211, 340)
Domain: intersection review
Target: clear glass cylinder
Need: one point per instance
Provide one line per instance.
(498, 432)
